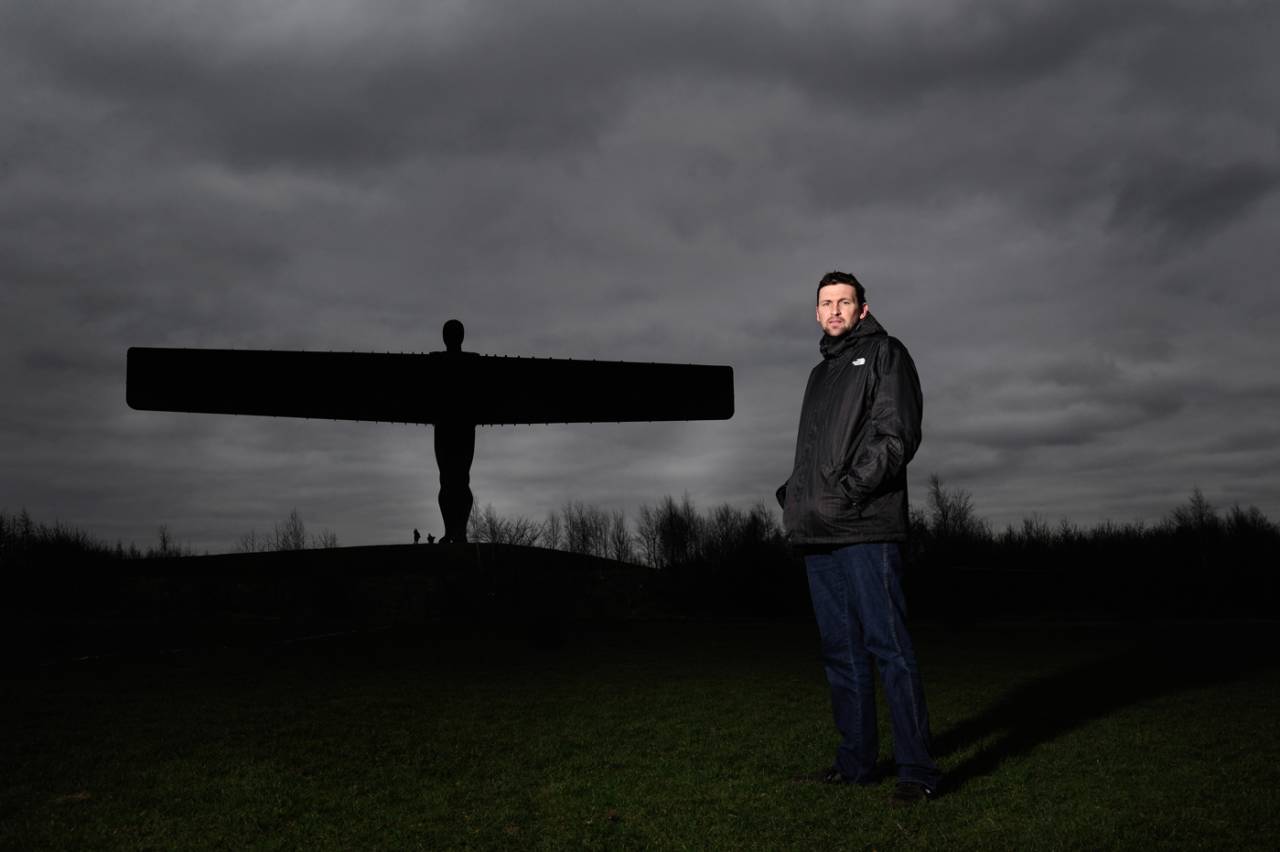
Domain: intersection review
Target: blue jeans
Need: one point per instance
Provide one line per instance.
(861, 612)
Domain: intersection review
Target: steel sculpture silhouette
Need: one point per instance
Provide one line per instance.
(455, 391)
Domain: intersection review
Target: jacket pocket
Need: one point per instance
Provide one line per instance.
(834, 501)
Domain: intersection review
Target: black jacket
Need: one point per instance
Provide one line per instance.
(859, 426)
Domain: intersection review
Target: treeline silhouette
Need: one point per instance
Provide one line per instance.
(28, 544)
(289, 535)
(25, 543)
(59, 571)
(1195, 561)
(726, 560)
(667, 534)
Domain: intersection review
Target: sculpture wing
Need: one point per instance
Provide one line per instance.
(424, 388)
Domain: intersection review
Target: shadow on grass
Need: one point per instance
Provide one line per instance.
(1174, 659)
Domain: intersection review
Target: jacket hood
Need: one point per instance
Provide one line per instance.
(833, 347)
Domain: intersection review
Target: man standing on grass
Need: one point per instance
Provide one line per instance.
(845, 507)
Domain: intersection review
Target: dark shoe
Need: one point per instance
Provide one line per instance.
(832, 776)
(835, 776)
(907, 793)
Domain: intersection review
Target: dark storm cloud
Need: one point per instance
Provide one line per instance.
(1074, 402)
(344, 95)
(515, 76)
(1249, 440)
(980, 84)
(66, 361)
(1182, 202)
(1058, 106)
(65, 240)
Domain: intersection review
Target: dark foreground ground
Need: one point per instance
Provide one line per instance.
(639, 735)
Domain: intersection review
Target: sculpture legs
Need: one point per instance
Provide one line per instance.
(455, 445)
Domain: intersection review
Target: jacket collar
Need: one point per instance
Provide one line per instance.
(834, 347)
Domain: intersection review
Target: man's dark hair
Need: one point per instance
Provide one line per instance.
(838, 277)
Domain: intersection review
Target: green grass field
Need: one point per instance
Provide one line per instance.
(645, 736)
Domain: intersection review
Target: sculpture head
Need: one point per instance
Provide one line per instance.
(453, 334)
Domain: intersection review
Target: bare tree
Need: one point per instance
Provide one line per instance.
(586, 529)
(1035, 530)
(484, 525)
(292, 534)
(761, 526)
(524, 532)
(327, 539)
(723, 529)
(621, 545)
(1197, 515)
(951, 511)
(1248, 522)
(165, 547)
(680, 531)
(251, 543)
(488, 526)
(648, 536)
(552, 531)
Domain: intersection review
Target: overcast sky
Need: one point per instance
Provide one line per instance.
(1065, 209)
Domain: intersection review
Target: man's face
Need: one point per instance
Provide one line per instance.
(838, 309)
